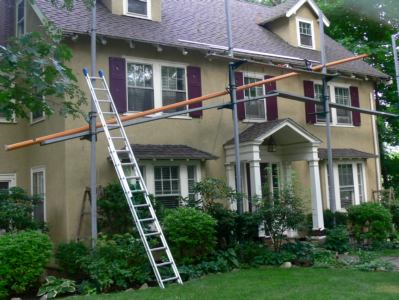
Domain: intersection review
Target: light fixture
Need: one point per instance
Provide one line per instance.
(184, 51)
(159, 48)
(271, 145)
(132, 45)
(74, 37)
(103, 41)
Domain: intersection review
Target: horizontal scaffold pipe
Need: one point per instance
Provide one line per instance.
(74, 131)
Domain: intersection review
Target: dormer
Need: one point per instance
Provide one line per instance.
(143, 9)
(296, 22)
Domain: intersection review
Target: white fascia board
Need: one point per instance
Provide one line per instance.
(312, 4)
(39, 13)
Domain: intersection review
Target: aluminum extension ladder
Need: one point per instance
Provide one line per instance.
(132, 182)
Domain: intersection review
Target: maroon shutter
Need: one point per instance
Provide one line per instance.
(355, 102)
(310, 108)
(7, 20)
(240, 95)
(271, 102)
(117, 82)
(194, 89)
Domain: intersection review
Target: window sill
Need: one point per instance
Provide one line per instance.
(335, 125)
(133, 15)
(33, 122)
(183, 117)
(8, 122)
(307, 47)
(253, 121)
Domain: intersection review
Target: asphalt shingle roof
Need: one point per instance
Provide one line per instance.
(344, 153)
(169, 152)
(201, 21)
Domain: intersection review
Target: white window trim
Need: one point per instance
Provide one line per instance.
(332, 87)
(298, 34)
(157, 81)
(10, 177)
(354, 163)
(37, 170)
(37, 120)
(16, 17)
(259, 76)
(147, 17)
(149, 175)
(5, 121)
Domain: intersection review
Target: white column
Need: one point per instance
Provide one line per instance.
(149, 178)
(231, 182)
(317, 205)
(255, 177)
(183, 181)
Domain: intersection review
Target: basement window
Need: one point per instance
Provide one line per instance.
(305, 33)
(138, 8)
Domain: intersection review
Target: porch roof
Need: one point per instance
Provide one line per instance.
(169, 152)
(265, 129)
(345, 153)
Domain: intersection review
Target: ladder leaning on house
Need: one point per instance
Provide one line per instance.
(132, 183)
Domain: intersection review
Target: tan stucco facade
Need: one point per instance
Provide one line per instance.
(67, 163)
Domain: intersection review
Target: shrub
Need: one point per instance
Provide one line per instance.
(341, 219)
(279, 214)
(69, 259)
(394, 209)
(302, 252)
(270, 258)
(226, 225)
(213, 189)
(16, 208)
(191, 234)
(117, 262)
(23, 256)
(247, 227)
(337, 239)
(370, 222)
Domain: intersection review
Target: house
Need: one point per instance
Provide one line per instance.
(157, 52)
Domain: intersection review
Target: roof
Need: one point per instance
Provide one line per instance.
(260, 130)
(202, 22)
(169, 152)
(345, 153)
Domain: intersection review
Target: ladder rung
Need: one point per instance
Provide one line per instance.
(164, 264)
(170, 279)
(132, 177)
(94, 77)
(102, 101)
(129, 164)
(141, 205)
(138, 191)
(108, 113)
(117, 137)
(111, 125)
(152, 233)
(99, 89)
(157, 249)
(122, 151)
(147, 220)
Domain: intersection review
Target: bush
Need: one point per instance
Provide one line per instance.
(247, 227)
(16, 208)
(56, 286)
(226, 225)
(117, 263)
(69, 259)
(370, 222)
(341, 219)
(23, 257)
(302, 252)
(191, 234)
(213, 189)
(248, 251)
(337, 239)
(394, 209)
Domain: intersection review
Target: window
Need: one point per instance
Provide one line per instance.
(37, 116)
(140, 87)
(167, 185)
(38, 188)
(173, 86)
(346, 185)
(305, 33)
(340, 95)
(270, 178)
(191, 180)
(154, 84)
(20, 18)
(254, 110)
(138, 7)
(7, 181)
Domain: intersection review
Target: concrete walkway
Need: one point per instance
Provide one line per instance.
(394, 260)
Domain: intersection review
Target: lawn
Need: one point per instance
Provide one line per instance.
(275, 283)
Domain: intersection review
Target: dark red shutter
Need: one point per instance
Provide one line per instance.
(194, 89)
(7, 20)
(355, 102)
(240, 95)
(117, 82)
(310, 108)
(271, 102)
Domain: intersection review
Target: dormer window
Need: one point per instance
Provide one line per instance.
(138, 8)
(305, 33)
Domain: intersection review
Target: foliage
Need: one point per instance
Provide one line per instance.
(16, 208)
(117, 262)
(279, 214)
(211, 190)
(370, 222)
(69, 259)
(341, 219)
(337, 239)
(23, 256)
(56, 286)
(247, 227)
(376, 265)
(33, 66)
(191, 234)
(302, 252)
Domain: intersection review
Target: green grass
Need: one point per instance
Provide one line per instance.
(388, 252)
(275, 283)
